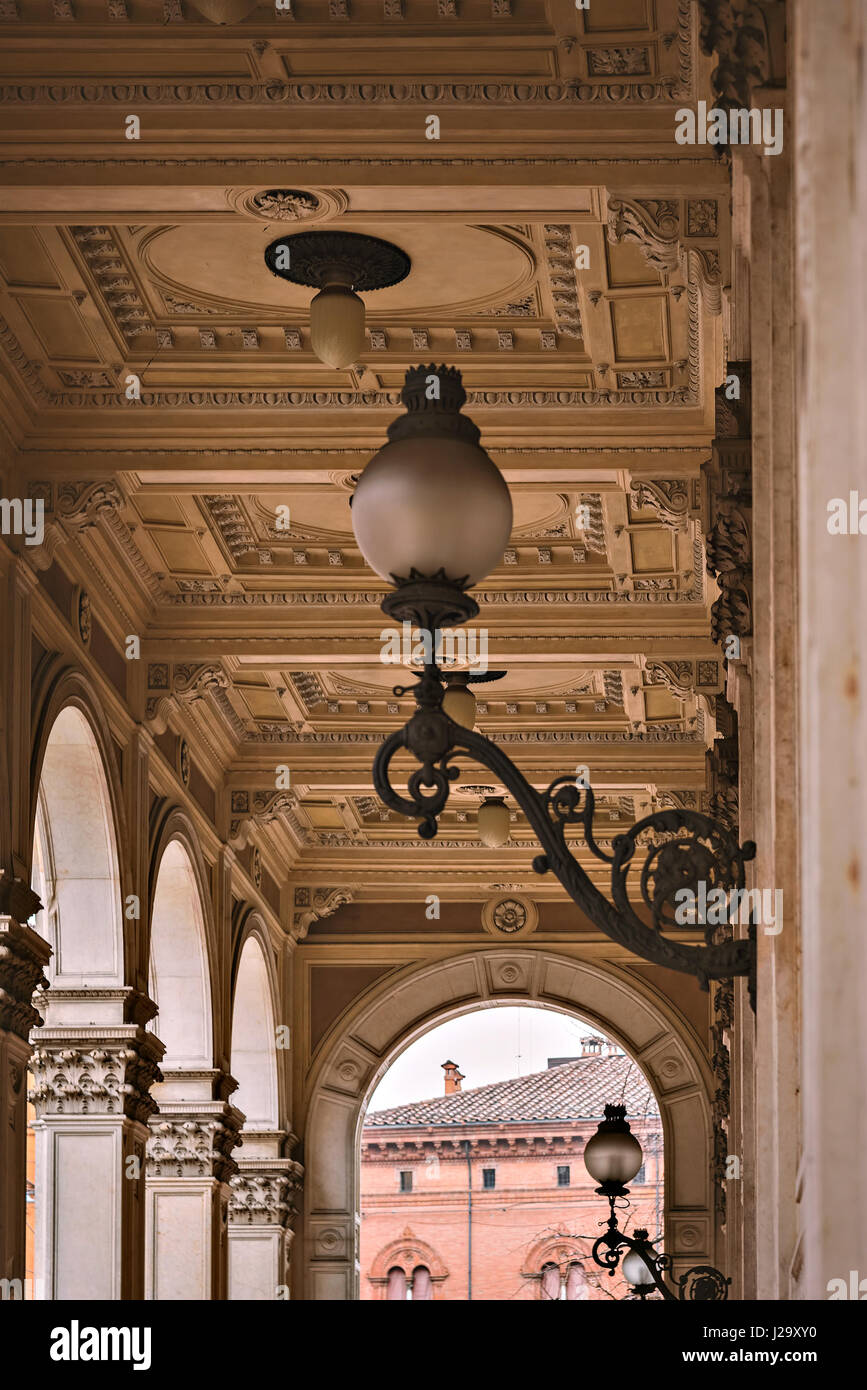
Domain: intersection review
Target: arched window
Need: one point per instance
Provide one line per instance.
(550, 1282)
(576, 1285)
(396, 1284)
(422, 1288)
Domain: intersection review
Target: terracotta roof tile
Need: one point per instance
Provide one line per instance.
(579, 1089)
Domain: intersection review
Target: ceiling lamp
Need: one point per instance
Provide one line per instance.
(494, 822)
(459, 702)
(432, 514)
(431, 506)
(338, 264)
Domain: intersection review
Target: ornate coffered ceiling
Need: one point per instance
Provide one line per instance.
(159, 393)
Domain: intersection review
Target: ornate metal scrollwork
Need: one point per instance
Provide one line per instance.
(682, 848)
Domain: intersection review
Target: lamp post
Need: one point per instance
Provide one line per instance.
(612, 1158)
(432, 515)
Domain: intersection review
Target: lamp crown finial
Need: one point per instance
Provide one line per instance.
(433, 396)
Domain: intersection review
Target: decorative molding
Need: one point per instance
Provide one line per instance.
(675, 500)
(205, 92)
(660, 227)
(561, 274)
(252, 810)
(318, 400)
(111, 276)
(727, 511)
(188, 682)
(312, 904)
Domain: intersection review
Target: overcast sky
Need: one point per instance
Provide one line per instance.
(488, 1045)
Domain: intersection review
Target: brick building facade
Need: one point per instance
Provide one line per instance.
(483, 1193)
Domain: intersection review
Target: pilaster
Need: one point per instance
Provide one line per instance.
(262, 1212)
(93, 1068)
(189, 1168)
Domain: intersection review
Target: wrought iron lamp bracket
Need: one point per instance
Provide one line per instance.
(701, 1283)
(682, 847)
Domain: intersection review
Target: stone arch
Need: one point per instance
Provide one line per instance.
(254, 1029)
(180, 949)
(387, 1018)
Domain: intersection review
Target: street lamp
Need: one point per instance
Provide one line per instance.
(612, 1158)
(432, 514)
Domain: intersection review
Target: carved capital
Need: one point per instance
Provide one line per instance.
(723, 766)
(264, 1192)
(107, 1072)
(23, 958)
(194, 1141)
(727, 508)
(748, 37)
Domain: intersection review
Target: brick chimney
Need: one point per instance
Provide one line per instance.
(453, 1077)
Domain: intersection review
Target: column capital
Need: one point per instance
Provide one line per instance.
(96, 1070)
(194, 1140)
(263, 1192)
(23, 958)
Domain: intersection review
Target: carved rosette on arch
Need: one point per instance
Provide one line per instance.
(510, 917)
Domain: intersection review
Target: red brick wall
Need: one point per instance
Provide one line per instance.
(515, 1226)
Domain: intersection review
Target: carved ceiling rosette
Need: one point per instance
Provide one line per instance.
(289, 205)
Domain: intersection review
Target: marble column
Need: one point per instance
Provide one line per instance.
(93, 1067)
(23, 958)
(262, 1210)
(829, 992)
(189, 1167)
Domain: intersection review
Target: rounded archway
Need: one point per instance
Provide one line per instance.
(77, 1069)
(254, 1037)
(75, 861)
(179, 970)
(383, 1022)
(482, 1158)
(185, 1209)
